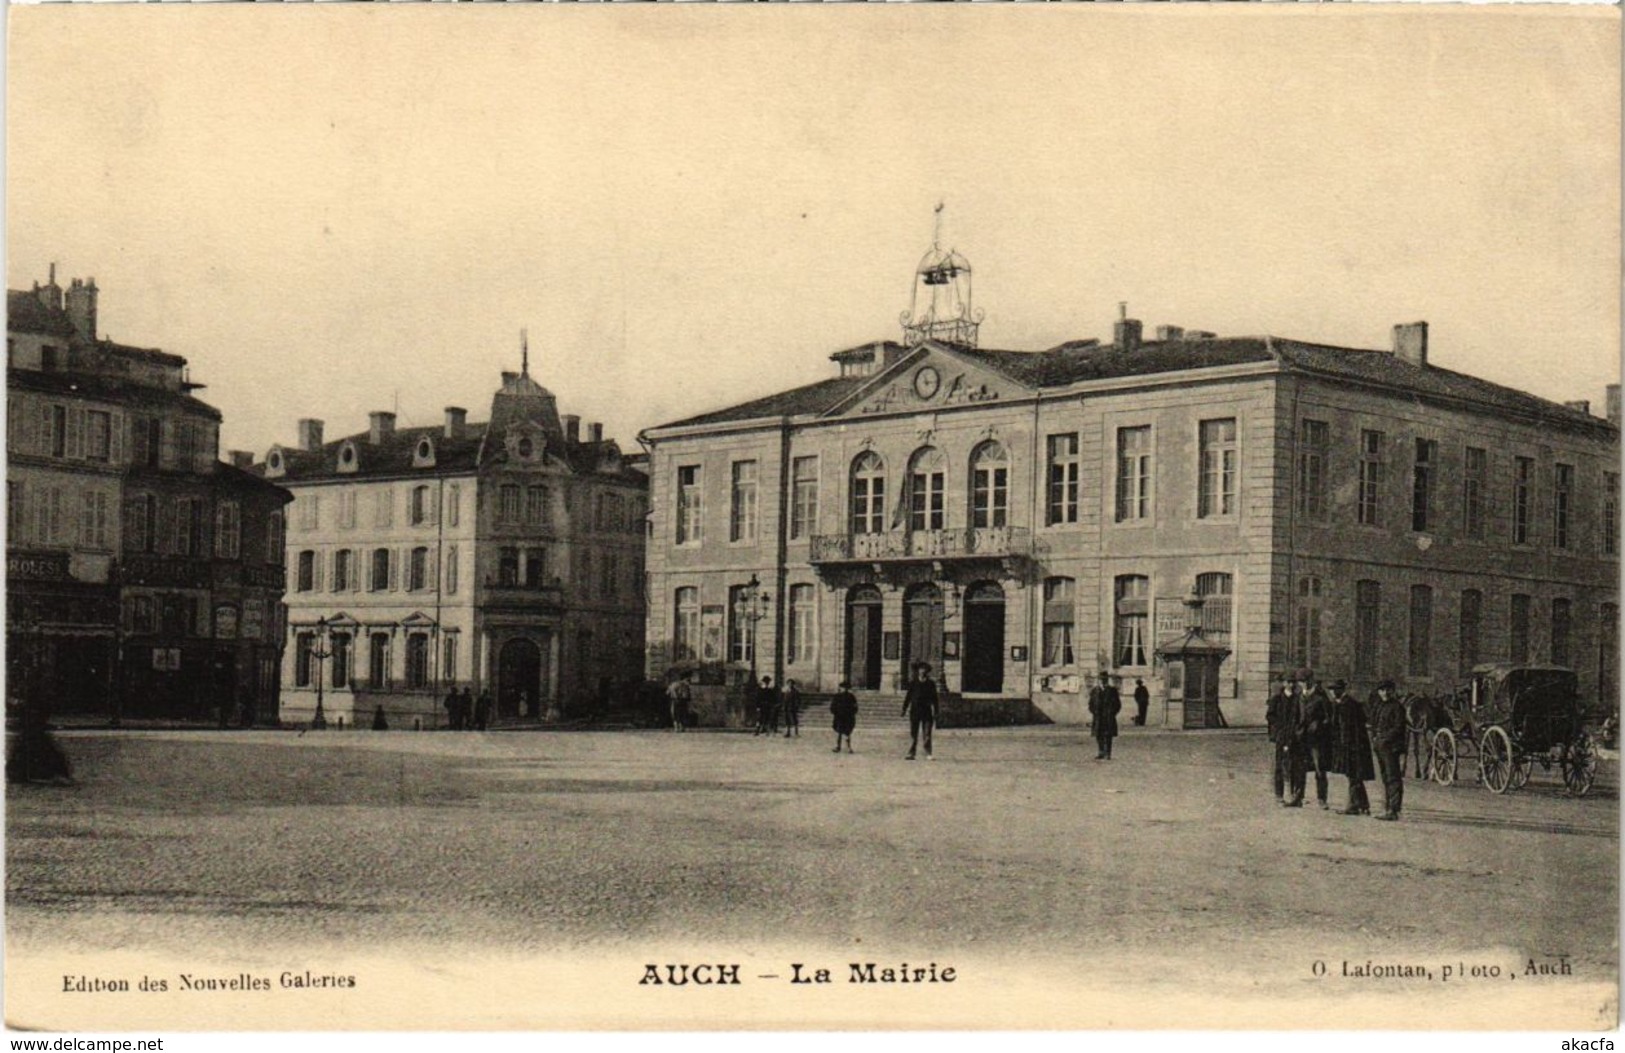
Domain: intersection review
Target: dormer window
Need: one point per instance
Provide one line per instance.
(527, 449)
(274, 465)
(525, 443)
(423, 454)
(348, 461)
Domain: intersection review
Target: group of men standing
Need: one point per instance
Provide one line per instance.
(466, 713)
(1327, 732)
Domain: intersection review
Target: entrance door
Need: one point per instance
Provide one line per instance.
(922, 629)
(984, 638)
(863, 638)
(519, 679)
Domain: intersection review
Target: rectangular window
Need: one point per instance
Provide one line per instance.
(417, 570)
(303, 644)
(340, 651)
(93, 520)
(1523, 475)
(1314, 451)
(451, 570)
(508, 567)
(742, 625)
(742, 507)
(448, 664)
(1610, 513)
(686, 627)
(309, 506)
(803, 624)
(1306, 623)
(347, 510)
(454, 504)
(1367, 620)
(228, 530)
(188, 526)
(306, 579)
(1472, 621)
(509, 496)
(1133, 473)
(1132, 620)
(804, 497)
(1422, 485)
(417, 505)
(688, 505)
(1475, 474)
(342, 570)
(1060, 608)
(1562, 498)
(417, 660)
(380, 570)
(58, 418)
(608, 570)
(536, 505)
(535, 567)
(383, 509)
(1371, 477)
(275, 535)
(17, 514)
(98, 435)
(1518, 630)
(1062, 506)
(1216, 486)
(1421, 651)
(1562, 614)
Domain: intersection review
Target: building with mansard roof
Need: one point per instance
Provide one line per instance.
(504, 555)
(1024, 520)
(144, 576)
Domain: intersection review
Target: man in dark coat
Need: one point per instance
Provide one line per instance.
(768, 701)
(1105, 704)
(1315, 730)
(1142, 699)
(920, 706)
(844, 708)
(792, 709)
(1279, 715)
(1351, 748)
(1388, 731)
(482, 708)
(454, 704)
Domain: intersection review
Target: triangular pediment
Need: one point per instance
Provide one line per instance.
(417, 620)
(931, 377)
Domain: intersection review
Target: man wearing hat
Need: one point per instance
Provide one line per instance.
(920, 706)
(1279, 716)
(1104, 705)
(1388, 739)
(1314, 731)
(1351, 747)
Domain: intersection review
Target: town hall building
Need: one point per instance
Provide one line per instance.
(1025, 520)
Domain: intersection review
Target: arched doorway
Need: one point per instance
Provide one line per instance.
(863, 637)
(922, 628)
(519, 679)
(984, 638)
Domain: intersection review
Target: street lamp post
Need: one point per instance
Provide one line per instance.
(320, 654)
(752, 607)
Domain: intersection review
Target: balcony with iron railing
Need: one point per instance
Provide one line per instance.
(925, 545)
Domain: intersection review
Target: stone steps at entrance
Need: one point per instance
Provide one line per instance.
(875, 712)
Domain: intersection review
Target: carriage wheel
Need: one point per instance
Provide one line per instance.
(1580, 765)
(1444, 757)
(1495, 760)
(1521, 767)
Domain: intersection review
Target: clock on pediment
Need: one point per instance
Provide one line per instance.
(927, 381)
(525, 442)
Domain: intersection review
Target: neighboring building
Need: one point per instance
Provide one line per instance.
(1022, 520)
(143, 576)
(504, 555)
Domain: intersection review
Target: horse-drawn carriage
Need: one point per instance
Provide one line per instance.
(1508, 717)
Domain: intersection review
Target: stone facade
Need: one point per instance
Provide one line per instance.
(1024, 520)
(503, 556)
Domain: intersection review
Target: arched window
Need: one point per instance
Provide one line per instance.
(990, 486)
(868, 494)
(1133, 593)
(926, 483)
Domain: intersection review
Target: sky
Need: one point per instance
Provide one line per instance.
(331, 210)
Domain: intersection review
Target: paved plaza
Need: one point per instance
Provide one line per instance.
(1166, 869)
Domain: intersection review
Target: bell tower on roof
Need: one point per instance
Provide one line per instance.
(940, 307)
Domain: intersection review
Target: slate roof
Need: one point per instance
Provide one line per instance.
(118, 390)
(1083, 360)
(394, 455)
(26, 314)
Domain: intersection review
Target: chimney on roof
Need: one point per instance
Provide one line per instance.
(310, 434)
(1126, 332)
(50, 294)
(1613, 404)
(572, 427)
(81, 306)
(1579, 405)
(1170, 332)
(595, 432)
(456, 418)
(1411, 342)
(241, 458)
(380, 426)
(1198, 334)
